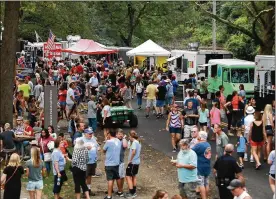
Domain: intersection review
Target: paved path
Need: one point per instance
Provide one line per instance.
(153, 131)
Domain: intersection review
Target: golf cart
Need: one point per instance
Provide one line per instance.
(122, 114)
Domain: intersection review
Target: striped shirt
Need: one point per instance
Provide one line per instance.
(175, 120)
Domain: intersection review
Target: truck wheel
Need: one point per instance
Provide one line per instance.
(133, 121)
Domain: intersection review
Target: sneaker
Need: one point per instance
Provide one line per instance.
(245, 158)
(252, 160)
(120, 194)
(96, 176)
(139, 108)
(129, 195)
(174, 150)
(106, 197)
(241, 166)
(147, 116)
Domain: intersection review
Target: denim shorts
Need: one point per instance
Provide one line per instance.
(160, 103)
(34, 185)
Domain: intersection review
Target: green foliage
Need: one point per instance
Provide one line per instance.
(130, 23)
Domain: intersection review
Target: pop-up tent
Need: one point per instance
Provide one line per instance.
(148, 48)
(87, 47)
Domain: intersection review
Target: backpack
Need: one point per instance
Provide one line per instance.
(139, 88)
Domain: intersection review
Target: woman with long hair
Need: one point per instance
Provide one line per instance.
(106, 115)
(269, 129)
(161, 194)
(11, 178)
(139, 91)
(79, 161)
(133, 163)
(257, 137)
(34, 170)
(43, 141)
(51, 131)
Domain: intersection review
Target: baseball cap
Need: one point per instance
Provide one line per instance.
(235, 184)
(89, 131)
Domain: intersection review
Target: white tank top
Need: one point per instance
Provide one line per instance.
(242, 196)
(268, 121)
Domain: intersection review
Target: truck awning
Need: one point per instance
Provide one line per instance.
(173, 58)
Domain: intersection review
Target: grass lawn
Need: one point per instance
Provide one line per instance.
(67, 190)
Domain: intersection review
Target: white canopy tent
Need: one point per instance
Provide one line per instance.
(148, 48)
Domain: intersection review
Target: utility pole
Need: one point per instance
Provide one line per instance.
(214, 26)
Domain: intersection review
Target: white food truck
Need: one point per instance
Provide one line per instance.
(185, 62)
(264, 79)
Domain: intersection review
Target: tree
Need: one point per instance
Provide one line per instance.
(7, 62)
(261, 17)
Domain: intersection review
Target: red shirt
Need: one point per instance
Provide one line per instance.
(80, 69)
(62, 95)
(74, 69)
(30, 129)
(235, 102)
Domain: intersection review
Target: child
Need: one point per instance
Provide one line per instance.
(214, 117)
(63, 143)
(241, 146)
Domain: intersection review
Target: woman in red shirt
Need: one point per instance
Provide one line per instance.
(62, 99)
(44, 139)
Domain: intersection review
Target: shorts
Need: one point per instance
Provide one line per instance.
(272, 176)
(160, 103)
(91, 169)
(34, 185)
(203, 180)
(122, 173)
(69, 106)
(112, 173)
(256, 143)
(240, 154)
(169, 100)
(268, 130)
(188, 130)
(175, 130)
(132, 169)
(188, 190)
(202, 124)
(151, 102)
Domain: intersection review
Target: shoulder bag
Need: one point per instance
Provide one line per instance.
(47, 156)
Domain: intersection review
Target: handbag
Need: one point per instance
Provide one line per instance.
(3, 185)
(47, 156)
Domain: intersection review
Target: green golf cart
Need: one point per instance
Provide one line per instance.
(122, 114)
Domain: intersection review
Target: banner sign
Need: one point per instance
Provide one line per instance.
(56, 53)
(50, 106)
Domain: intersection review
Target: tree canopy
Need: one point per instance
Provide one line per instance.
(245, 28)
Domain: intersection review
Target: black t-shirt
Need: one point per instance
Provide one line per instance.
(119, 100)
(109, 95)
(190, 120)
(112, 78)
(161, 94)
(227, 167)
(7, 137)
(122, 79)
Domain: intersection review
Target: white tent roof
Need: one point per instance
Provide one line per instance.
(148, 48)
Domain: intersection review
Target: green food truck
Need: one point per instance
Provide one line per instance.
(231, 73)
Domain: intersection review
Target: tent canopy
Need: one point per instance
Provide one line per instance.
(148, 48)
(173, 58)
(87, 47)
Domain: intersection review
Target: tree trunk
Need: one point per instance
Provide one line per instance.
(7, 65)
(266, 50)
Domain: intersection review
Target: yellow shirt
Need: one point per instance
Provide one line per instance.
(25, 88)
(151, 91)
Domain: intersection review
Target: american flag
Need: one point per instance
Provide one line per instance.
(51, 42)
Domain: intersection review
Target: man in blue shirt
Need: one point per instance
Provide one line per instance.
(78, 133)
(91, 144)
(112, 149)
(203, 151)
(186, 165)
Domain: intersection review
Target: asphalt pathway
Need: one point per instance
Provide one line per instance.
(153, 132)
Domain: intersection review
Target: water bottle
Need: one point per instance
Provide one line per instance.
(58, 182)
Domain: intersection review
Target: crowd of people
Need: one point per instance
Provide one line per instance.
(88, 88)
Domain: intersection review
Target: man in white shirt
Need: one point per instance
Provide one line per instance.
(38, 89)
(94, 83)
(70, 99)
(247, 122)
(136, 71)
